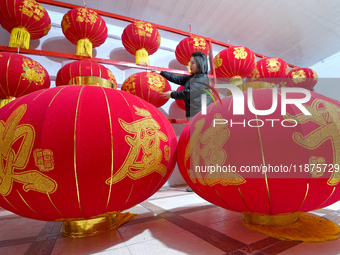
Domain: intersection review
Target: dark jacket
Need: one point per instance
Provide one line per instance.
(193, 89)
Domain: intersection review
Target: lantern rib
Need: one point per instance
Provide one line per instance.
(75, 151)
(244, 201)
(320, 206)
(9, 203)
(305, 197)
(112, 150)
(56, 95)
(30, 206)
(48, 195)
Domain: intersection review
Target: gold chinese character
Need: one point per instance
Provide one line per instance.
(14, 161)
(145, 155)
(44, 159)
(156, 82)
(327, 116)
(273, 65)
(240, 53)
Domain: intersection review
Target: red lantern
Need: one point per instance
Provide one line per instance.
(84, 68)
(148, 86)
(141, 39)
(25, 20)
(273, 70)
(235, 63)
(67, 159)
(180, 103)
(302, 77)
(189, 45)
(268, 167)
(20, 76)
(85, 28)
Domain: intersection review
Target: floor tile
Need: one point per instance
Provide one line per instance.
(15, 249)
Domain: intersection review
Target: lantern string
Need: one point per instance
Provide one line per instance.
(84, 4)
(190, 29)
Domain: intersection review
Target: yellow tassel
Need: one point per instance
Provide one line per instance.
(84, 48)
(20, 38)
(5, 101)
(142, 57)
(236, 80)
(306, 227)
(121, 218)
(189, 67)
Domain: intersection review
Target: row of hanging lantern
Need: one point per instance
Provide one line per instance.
(134, 146)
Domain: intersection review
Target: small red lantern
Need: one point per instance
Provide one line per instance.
(141, 39)
(83, 68)
(148, 86)
(303, 78)
(189, 45)
(180, 103)
(20, 75)
(67, 159)
(270, 168)
(234, 63)
(273, 70)
(25, 20)
(84, 28)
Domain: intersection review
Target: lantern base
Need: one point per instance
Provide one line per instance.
(5, 101)
(236, 80)
(91, 227)
(91, 80)
(293, 227)
(142, 57)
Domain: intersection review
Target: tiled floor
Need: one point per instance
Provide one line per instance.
(170, 222)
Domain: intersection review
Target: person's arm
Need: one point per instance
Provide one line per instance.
(180, 80)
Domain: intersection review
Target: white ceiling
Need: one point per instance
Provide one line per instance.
(302, 32)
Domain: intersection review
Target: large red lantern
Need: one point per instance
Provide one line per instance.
(271, 168)
(84, 28)
(20, 75)
(67, 159)
(189, 45)
(25, 20)
(234, 63)
(302, 77)
(148, 86)
(83, 68)
(141, 39)
(179, 102)
(273, 70)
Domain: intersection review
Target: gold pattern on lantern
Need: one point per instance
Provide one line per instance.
(199, 43)
(327, 116)
(218, 61)
(129, 85)
(144, 28)
(86, 15)
(13, 159)
(34, 72)
(167, 152)
(66, 24)
(47, 29)
(240, 53)
(273, 65)
(44, 159)
(112, 78)
(299, 76)
(317, 166)
(32, 8)
(156, 82)
(315, 76)
(213, 139)
(145, 155)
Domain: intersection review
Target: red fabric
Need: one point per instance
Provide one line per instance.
(189, 45)
(180, 103)
(83, 68)
(273, 70)
(139, 35)
(21, 75)
(88, 135)
(148, 86)
(84, 23)
(27, 14)
(234, 61)
(302, 77)
(236, 145)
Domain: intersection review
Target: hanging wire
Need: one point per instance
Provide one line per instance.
(190, 29)
(84, 4)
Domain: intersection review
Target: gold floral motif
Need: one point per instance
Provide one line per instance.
(255, 74)
(218, 61)
(44, 159)
(199, 43)
(212, 153)
(14, 161)
(86, 15)
(240, 53)
(299, 76)
(273, 65)
(32, 8)
(66, 24)
(158, 41)
(129, 85)
(34, 72)
(156, 82)
(145, 155)
(47, 29)
(112, 78)
(327, 116)
(314, 164)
